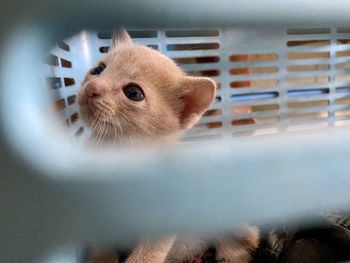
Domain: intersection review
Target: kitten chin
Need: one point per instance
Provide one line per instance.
(137, 144)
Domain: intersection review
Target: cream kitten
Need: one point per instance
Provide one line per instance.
(135, 94)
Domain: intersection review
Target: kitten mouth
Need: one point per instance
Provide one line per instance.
(91, 104)
(100, 108)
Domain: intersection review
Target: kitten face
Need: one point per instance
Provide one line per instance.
(135, 92)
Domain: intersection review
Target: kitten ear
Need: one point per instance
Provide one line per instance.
(121, 37)
(199, 95)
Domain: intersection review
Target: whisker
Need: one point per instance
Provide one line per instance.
(115, 134)
(121, 131)
(102, 132)
(99, 125)
(125, 117)
(92, 117)
(106, 131)
(95, 124)
(117, 123)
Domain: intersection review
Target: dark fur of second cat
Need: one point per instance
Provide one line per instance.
(323, 242)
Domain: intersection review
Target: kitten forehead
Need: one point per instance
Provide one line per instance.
(140, 61)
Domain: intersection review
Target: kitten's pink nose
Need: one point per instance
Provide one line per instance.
(92, 91)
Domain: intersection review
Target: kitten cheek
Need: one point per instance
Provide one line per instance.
(82, 100)
(81, 97)
(85, 114)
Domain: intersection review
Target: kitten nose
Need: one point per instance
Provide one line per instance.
(92, 91)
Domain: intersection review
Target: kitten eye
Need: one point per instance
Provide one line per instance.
(133, 92)
(98, 70)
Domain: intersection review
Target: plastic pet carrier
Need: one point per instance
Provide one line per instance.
(273, 147)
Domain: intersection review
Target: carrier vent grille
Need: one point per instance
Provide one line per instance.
(269, 80)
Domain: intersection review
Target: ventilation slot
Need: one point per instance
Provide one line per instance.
(342, 78)
(66, 63)
(254, 57)
(308, 55)
(243, 122)
(308, 43)
(212, 112)
(210, 125)
(218, 99)
(63, 45)
(255, 126)
(345, 100)
(307, 92)
(105, 35)
(345, 89)
(256, 120)
(205, 73)
(253, 70)
(254, 83)
(345, 93)
(69, 82)
(343, 41)
(308, 104)
(143, 33)
(71, 99)
(74, 117)
(192, 33)
(104, 49)
(186, 47)
(308, 31)
(66, 124)
(53, 83)
(345, 53)
(307, 116)
(342, 113)
(51, 60)
(254, 96)
(153, 46)
(254, 109)
(197, 60)
(343, 30)
(345, 65)
(132, 33)
(307, 80)
(309, 67)
(59, 105)
(79, 132)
